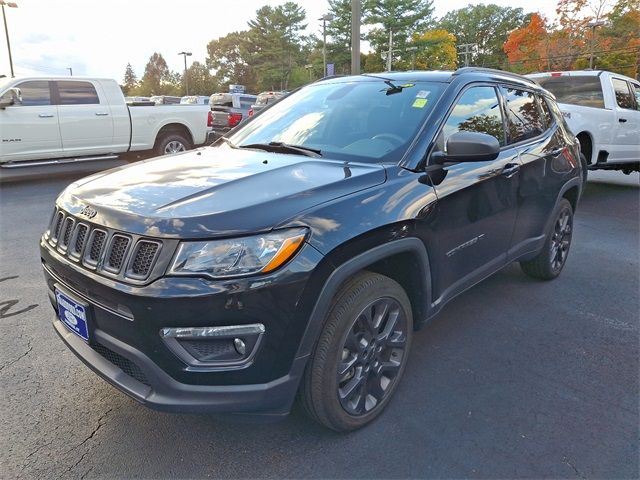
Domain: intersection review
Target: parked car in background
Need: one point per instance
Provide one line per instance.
(603, 111)
(165, 100)
(64, 120)
(137, 99)
(299, 254)
(194, 100)
(264, 99)
(229, 109)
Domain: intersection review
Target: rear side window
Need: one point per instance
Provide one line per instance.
(624, 99)
(585, 91)
(477, 110)
(77, 93)
(524, 119)
(636, 93)
(35, 93)
(546, 113)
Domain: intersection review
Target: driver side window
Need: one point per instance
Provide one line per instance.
(35, 92)
(477, 110)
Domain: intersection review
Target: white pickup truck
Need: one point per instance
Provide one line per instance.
(603, 111)
(68, 119)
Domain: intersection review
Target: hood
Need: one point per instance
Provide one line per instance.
(214, 191)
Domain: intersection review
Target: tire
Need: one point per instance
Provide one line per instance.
(370, 364)
(171, 143)
(551, 260)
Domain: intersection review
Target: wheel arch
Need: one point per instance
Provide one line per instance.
(387, 259)
(586, 145)
(174, 128)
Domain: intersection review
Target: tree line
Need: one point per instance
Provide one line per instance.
(274, 53)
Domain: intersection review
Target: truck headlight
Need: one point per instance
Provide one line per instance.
(238, 256)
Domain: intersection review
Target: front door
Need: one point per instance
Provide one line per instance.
(86, 124)
(476, 207)
(627, 127)
(29, 130)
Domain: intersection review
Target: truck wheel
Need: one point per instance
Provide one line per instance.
(171, 143)
(361, 354)
(550, 261)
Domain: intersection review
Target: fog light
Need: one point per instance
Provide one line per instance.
(222, 347)
(241, 348)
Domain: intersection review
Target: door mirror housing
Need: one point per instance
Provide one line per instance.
(469, 147)
(10, 97)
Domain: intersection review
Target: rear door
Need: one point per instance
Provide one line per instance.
(627, 133)
(546, 162)
(29, 131)
(86, 124)
(476, 207)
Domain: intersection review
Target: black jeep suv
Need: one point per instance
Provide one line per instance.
(300, 252)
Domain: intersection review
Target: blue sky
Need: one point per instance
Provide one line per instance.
(98, 38)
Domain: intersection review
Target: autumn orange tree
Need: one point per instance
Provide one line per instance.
(526, 47)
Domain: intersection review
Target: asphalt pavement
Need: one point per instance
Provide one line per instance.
(516, 378)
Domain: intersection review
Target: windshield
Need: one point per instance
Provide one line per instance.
(367, 121)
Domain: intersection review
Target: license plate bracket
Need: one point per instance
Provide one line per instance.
(73, 313)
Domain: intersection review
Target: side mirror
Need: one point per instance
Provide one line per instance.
(10, 97)
(469, 147)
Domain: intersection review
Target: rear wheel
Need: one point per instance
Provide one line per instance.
(171, 143)
(550, 261)
(361, 354)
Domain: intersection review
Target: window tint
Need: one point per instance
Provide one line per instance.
(477, 110)
(77, 93)
(624, 99)
(546, 113)
(524, 120)
(636, 93)
(35, 93)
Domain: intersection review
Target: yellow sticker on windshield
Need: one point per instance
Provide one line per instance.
(419, 103)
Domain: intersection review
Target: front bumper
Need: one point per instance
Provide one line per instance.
(127, 350)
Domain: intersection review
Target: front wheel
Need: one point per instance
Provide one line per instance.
(550, 261)
(361, 354)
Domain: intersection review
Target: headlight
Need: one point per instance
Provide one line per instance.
(238, 256)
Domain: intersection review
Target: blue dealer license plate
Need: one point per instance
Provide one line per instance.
(73, 314)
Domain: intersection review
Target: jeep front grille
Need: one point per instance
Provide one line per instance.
(108, 252)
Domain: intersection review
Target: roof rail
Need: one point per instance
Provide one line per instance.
(495, 71)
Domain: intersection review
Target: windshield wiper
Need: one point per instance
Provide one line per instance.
(393, 88)
(280, 147)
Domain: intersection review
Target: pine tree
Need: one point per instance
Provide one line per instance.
(130, 81)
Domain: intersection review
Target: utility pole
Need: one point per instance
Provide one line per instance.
(389, 60)
(70, 71)
(355, 37)
(413, 51)
(6, 30)
(186, 78)
(325, 18)
(466, 49)
(593, 26)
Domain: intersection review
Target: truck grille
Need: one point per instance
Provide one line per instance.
(103, 250)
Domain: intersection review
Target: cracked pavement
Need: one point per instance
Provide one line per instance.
(515, 378)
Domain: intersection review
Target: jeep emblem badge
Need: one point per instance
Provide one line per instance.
(89, 212)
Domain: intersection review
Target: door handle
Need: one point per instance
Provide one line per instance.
(102, 114)
(46, 115)
(510, 169)
(622, 120)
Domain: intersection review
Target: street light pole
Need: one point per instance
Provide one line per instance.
(70, 71)
(6, 30)
(413, 51)
(325, 18)
(355, 37)
(593, 26)
(186, 78)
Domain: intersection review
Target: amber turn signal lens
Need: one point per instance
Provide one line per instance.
(288, 248)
